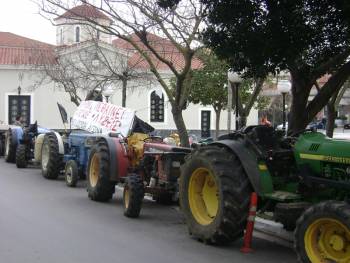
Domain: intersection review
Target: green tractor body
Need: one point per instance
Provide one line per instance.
(320, 164)
(302, 182)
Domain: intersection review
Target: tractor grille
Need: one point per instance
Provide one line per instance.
(314, 147)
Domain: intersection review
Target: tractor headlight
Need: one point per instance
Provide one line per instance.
(89, 142)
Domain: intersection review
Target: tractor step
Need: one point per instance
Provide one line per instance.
(283, 196)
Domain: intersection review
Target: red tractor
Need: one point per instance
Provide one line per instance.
(142, 163)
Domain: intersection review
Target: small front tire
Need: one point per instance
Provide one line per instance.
(322, 233)
(71, 173)
(133, 195)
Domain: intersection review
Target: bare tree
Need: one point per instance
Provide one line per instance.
(137, 22)
(90, 67)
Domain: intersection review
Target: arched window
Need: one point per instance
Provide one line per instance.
(77, 34)
(61, 36)
(157, 107)
(97, 34)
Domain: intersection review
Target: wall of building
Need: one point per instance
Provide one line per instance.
(43, 99)
(139, 99)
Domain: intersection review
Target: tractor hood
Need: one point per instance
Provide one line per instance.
(102, 117)
(315, 147)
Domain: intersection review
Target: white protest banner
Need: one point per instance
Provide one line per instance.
(101, 117)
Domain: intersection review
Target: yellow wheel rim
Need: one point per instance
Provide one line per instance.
(327, 240)
(126, 197)
(94, 170)
(203, 196)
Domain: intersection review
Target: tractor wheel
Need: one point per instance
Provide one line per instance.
(71, 173)
(323, 233)
(133, 195)
(51, 160)
(99, 186)
(10, 147)
(21, 156)
(214, 195)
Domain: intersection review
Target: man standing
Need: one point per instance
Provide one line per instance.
(19, 121)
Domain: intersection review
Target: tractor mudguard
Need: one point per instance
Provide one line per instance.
(60, 143)
(119, 161)
(248, 161)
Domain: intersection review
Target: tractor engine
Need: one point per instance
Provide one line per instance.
(323, 161)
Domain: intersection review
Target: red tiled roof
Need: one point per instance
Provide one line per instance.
(163, 46)
(82, 11)
(18, 50)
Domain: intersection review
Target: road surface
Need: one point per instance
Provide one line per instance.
(45, 221)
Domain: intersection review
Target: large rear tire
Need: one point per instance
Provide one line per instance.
(10, 147)
(323, 233)
(21, 156)
(51, 161)
(99, 186)
(133, 195)
(214, 195)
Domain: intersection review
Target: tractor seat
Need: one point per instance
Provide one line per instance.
(263, 136)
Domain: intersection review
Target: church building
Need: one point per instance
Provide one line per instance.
(24, 91)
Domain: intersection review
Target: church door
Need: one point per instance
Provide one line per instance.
(19, 105)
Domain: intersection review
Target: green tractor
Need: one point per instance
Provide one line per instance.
(302, 182)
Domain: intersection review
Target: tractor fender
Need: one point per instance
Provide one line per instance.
(118, 157)
(248, 161)
(37, 147)
(60, 143)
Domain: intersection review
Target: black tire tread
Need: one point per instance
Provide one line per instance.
(136, 194)
(330, 208)
(11, 157)
(55, 162)
(21, 159)
(235, 190)
(75, 175)
(104, 189)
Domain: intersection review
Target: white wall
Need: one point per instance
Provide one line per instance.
(43, 99)
(138, 99)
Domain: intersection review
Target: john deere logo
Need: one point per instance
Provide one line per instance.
(325, 158)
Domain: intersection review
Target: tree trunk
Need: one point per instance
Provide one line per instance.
(299, 117)
(243, 120)
(125, 83)
(180, 125)
(331, 112)
(217, 122)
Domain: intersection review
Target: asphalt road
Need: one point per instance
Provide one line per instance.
(45, 221)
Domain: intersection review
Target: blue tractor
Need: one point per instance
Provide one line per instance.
(68, 154)
(19, 144)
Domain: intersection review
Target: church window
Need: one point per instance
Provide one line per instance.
(157, 107)
(61, 36)
(77, 34)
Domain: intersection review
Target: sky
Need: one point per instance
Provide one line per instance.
(21, 17)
